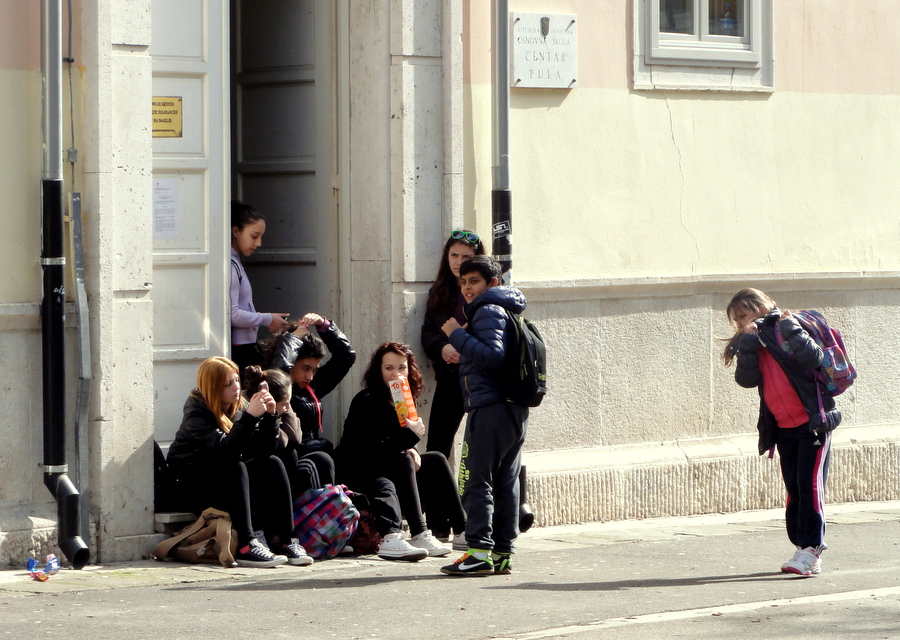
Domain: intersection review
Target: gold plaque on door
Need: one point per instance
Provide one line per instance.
(167, 117)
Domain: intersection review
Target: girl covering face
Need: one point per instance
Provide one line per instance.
(393, 365)
(377, 456)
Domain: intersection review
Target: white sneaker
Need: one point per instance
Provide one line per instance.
(428, 542)
(459, 542)
(394, 547)
(804, 562)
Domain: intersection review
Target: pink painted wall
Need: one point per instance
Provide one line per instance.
(821, 46)
(20, 35)
(834, 46)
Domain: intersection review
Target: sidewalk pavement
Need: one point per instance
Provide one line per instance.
(144, 573)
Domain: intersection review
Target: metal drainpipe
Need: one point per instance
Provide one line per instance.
(501, 194)
(54, 292)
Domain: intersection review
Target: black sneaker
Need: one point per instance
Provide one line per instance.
(257, 555)
(468, 565)
(502, 563)
(296, 554)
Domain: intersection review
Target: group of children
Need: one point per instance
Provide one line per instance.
(251, 439)
(252, 453)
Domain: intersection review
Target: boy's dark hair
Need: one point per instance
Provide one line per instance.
(243, 214)
(485, 265)
(311, 345)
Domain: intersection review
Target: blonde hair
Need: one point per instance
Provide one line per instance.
(752, 300)
(213, 376)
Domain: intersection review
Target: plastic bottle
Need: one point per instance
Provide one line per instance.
(728, 23)
(403, 400)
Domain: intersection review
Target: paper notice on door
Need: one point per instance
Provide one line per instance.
(165, 208)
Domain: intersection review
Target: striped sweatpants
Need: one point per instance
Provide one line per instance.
(804, 468)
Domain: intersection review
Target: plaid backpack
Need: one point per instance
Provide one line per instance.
(836, 372)
(324, 520)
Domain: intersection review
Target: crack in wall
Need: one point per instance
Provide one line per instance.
(683, 180)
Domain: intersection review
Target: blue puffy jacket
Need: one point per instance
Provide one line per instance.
(483, 344)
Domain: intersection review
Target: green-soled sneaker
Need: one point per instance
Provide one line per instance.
(468, 565)
(502, 563)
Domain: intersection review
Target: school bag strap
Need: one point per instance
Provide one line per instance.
(190, 544)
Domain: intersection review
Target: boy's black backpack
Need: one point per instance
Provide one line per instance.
(524, 371)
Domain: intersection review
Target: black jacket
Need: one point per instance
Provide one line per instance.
(309, 412)
(200, 441)
(433, 342)
(798, 355)
(372, 432)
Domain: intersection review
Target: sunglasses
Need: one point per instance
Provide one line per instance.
(466, 236)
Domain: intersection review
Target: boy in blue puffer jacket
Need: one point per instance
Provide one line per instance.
(495, 427)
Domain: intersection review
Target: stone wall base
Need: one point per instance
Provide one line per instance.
(698, 477)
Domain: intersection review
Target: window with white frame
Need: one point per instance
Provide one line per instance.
(700, 45)
(720, 33)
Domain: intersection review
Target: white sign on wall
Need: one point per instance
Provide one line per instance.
(543, 50)
(165, 208)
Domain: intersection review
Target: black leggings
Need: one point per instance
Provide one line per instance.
(447, 411)
(431, 489)
(382, 498)
(256, 494)
(311, 471)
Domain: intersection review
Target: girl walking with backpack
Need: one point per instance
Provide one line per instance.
(777, 356)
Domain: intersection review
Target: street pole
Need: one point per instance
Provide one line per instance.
(501, 194)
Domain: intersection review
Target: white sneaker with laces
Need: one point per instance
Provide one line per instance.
(394, 547)
(428, 542)
(804, 562)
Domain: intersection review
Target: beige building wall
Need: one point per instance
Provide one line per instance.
(24, 501)
(112, 172)
(638, 213)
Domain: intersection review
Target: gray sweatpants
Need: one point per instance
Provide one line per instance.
(489, 475)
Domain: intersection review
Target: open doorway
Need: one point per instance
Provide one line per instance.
(282, 148)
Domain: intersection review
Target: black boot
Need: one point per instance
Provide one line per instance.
(526, 516)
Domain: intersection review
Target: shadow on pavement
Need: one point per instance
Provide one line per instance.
(644, 584)
(303, 583)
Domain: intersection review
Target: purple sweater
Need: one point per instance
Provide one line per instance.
(245, 321)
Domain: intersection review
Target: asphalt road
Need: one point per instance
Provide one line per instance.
(700, 578)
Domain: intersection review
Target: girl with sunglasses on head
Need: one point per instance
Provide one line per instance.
(445, 301)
